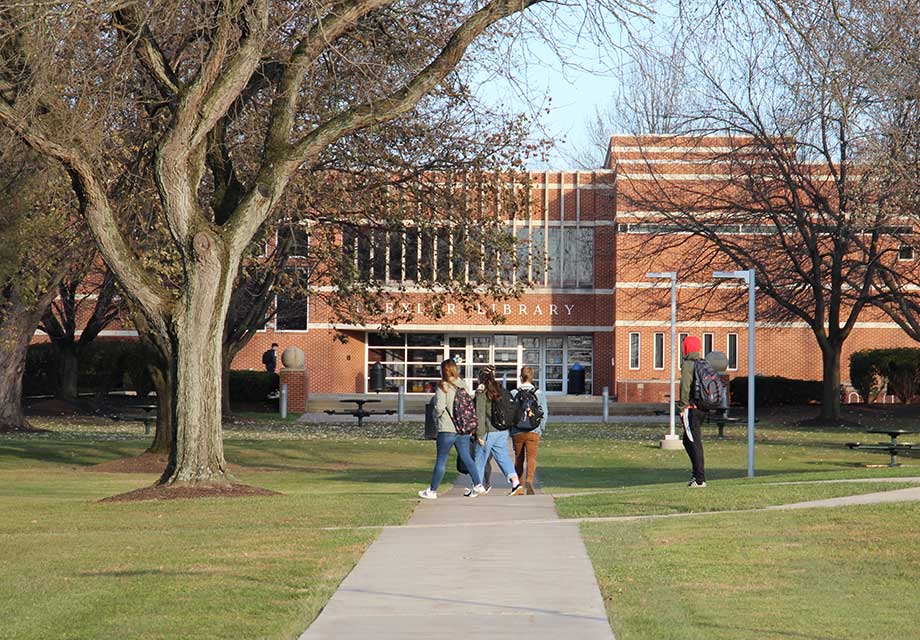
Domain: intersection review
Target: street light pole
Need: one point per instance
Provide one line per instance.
(748, 277)
(671, 440)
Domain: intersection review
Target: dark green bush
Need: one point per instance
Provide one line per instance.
(770, 391)
(105, 365)
(252, 386)
(40, 375)
(872, 371)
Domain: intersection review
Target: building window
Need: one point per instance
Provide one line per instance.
(680, 340)
(659, 351)
(905, 252)
(733, 352)
(707, 344)
(581, 350)
(298, 237)
(633, 350)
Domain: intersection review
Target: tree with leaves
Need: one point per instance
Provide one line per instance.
(232, 99)
(38, 243)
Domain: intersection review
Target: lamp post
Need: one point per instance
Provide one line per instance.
(671, 440)
(748, 277)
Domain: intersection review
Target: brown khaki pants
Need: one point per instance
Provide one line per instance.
(525, 446)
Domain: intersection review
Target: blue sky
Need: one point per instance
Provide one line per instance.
(562, 82)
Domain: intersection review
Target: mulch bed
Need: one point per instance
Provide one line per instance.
(191, 491)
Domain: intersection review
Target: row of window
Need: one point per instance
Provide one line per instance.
(658, 349)
(748, 229)
(560, 256)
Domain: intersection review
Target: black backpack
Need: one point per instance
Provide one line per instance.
(708, 392)
(431, 421)
(528, 414)
(503, 411)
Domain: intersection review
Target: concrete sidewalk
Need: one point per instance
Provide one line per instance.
(502, 579)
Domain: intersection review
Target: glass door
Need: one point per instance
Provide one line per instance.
(555, 367)
(506, 359)
(532, 356)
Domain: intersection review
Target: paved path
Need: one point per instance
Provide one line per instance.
(502, 579)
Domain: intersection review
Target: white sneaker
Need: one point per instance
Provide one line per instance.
(428, 494)
(479, 490)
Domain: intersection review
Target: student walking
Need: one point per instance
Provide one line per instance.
(495, 414)
(530, 418)
(690, 415)
(451, 409)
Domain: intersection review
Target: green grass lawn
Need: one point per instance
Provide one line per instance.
(73, 567)
(827, 574)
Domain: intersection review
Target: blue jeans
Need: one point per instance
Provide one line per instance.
(496, 445)
(447, 440)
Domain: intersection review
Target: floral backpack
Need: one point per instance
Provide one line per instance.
(464, 415)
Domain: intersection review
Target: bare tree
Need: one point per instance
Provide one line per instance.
(785, 188)
(64, 319)
(232, 99)
(650, 98)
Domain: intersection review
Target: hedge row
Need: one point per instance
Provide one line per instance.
(112, 365)
(105, 365)
(771, 391)
(872, 371)
(252, 386)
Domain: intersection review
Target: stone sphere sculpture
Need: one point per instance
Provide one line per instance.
(292, 358)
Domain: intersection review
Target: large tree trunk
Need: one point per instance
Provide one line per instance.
(68, 370)
(196, 335)
(164, 436)
(14, 343)
(16, 331)
(830, 393)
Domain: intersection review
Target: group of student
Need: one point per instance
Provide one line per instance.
(484, 422)
(479, 428)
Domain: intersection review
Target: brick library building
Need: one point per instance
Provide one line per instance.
(591, 307)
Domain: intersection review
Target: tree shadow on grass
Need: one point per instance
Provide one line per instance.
(70, 453)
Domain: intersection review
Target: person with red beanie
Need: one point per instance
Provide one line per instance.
(690, 416)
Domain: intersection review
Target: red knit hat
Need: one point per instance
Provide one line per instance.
(690, 344)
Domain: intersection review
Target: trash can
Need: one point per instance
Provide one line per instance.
(378, 378)
(577, 380)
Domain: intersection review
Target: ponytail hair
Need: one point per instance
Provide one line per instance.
(493, 388)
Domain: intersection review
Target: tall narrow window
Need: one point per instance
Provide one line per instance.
(707, 344)
(554, 256)
(733, 352)
(537, 255)
(426, 256)
(633, 350)
(411, 255)
(380, 255)
(364, 254)
(585, 257)
(680, 341)
(396, 256)
(659, 351)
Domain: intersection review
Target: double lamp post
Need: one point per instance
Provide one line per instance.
(671, 440)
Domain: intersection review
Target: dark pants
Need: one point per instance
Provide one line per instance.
(695, 447)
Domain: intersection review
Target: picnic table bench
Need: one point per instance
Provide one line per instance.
(360, 412)
(892, 447)
(147, 415)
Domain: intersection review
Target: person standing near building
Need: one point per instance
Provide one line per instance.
(445, 394)
(270, 358)
(530, 417)
(495, 413)
(690, 415)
